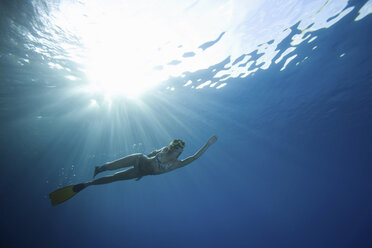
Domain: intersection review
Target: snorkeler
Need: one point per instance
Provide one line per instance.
(155, 163)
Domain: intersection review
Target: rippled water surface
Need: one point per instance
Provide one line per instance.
(286, 86)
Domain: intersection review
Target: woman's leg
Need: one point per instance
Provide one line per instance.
(130, 173)
(127, 161)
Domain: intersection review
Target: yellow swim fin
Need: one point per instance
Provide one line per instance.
(63, 194)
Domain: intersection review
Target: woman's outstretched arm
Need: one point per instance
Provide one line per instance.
(192, 158)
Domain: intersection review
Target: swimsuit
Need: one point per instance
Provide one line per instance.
(144, 167)
(162, 167)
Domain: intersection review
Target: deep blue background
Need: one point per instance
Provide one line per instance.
(291, 168)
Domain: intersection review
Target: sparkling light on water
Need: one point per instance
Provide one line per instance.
(128, 47)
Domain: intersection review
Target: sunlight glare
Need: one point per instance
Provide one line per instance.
(129, 47)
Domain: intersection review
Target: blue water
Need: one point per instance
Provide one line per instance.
(291, 167)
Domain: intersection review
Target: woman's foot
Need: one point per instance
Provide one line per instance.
(79, 187)
(96, 171)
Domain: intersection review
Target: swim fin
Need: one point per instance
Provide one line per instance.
(63, 194)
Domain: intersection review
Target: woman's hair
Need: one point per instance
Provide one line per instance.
(177, 143)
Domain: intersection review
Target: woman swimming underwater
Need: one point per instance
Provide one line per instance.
(157, 162)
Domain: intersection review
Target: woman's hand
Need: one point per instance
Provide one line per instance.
(212, 140)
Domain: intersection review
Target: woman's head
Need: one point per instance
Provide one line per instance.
(177, 143)
(176, 146)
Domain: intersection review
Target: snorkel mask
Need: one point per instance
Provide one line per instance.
(177, 144)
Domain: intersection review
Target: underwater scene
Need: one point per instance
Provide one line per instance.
(225, 123)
